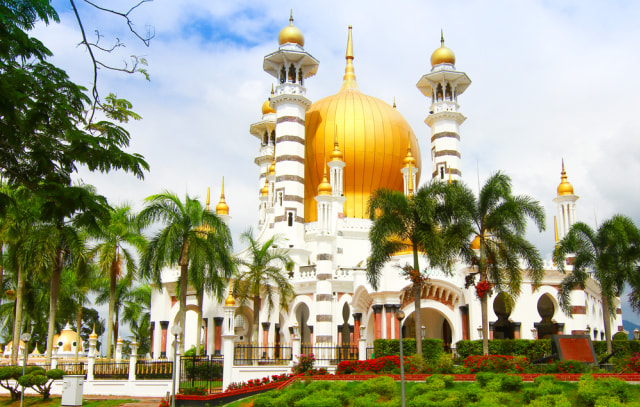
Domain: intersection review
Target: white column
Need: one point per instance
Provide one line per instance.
(228, 338)
(133, 358)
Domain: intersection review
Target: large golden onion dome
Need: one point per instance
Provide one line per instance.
(373, 137)
(66, 339)
(291, 33)
(442, 55)
(565, 187)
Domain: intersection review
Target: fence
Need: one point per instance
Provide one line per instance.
(75, 368)
(248, 354)
(111, 370)
(201, 373)
(331, 354)
(154, 369)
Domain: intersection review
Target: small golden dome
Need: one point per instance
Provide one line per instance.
(265, 189)
(222, 208)
(409, 159)
(291, 33)
(93, 334)
(442, 55)
(230, 301)
(272, 168)
(266, 107)
(336, 154)
(324, 188)
(475, 244)
(565, 188)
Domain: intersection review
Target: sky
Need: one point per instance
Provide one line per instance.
(551, 80)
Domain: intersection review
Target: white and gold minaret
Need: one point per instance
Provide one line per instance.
(265, 131)
(409, 173)
(443, 85)
(291, 65)
(566, 201)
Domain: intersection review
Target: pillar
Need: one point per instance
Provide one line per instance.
(228, 339)
(217, 321)
(377, 319)
(152, 332)
(388, 311)
(396, 323)
(164, 325)
(516, 329)
(464, 314)
(357, 317)
(265, 339)
(133, 358)
(119, 350)
(206, 335)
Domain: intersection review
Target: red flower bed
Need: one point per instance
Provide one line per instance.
(496, 363)
(259, 382)
(386, 364)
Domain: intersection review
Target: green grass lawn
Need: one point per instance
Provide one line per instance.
(55, 402)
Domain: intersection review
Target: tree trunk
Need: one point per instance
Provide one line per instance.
(54, 287)
(256, 320)
(607, 323)
(78, 327)
(199, 323)
(485, 323)
(17, 323)
(183, 303)
(417, 294)
(112, 306)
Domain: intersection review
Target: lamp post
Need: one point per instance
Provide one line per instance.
(25, 337)
(400, 317)
(534, 333)
(176, 330)
(636, 334)
(480, 331)
(423, 331)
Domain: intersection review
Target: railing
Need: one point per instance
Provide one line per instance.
(75, 368)
(249, 354)
(154, 369)
(201, 372)
(369, 353)
(111, 370)
(331, 354)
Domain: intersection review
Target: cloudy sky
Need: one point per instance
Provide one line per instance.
(550, 80)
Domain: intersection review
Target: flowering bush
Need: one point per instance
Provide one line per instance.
(305, 363)
(165, 403)
(385, 364)
(259, 382)
(482, 287)
(193, 391)
(629, 364)
(317, 372)
(496, 363)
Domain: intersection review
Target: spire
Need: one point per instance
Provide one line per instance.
(208, 198)
(291, 17)
(565, 187)
(222, 208)
(441, 38)
(349, 73)
(555, 227)
(450, 181)
(336, 154)
(394, 102)
(409, 163)
(325, 187)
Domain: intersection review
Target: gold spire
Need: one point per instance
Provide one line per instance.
(565, 188)
(265, 189)
(349, 73)
(291, 33)
(266, 106)
(409, 162)
(230, 301)
(394, 102)
(450, 181)
(442, 55)
(555, 227)
(272, 167)
(222, 208)
(336, 154)
(93, 334)
(208, 199)
(325, 187)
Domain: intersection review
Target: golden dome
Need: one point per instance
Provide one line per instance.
(373, 136)
(272, 168)
(291, 33)
(222, 208)
(265, 189)
(230, 301)
(67, 336)
(266, 106)
(93, 334)
(409, 160)
(336, 154)
(565, 188)
(442, 55)
(324, 188)
(475, 243)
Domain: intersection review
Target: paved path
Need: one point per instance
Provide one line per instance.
(140, 401)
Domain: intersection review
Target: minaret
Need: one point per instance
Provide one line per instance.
(336, 177)
(222, 209)
(566, 202)
(443, 85)
(290, 65)
(409, 172)
(265, 131)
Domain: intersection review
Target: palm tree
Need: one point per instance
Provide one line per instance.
(261, 275)
(418, 223)
(190, 232)
(608, 253)
(112, 255)
(498, 221)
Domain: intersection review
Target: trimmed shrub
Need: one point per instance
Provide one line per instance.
(531, 349)
(315, 401)
(510, 383)
(590, 391)
(432, 349)
(383, 386)
(440, 398)
(9, 380)
(551, 400)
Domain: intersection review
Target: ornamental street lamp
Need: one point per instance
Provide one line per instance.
(400, 317)
(25, 337)
(636, 334)
(423, 331)
(296, 330)
(176, 330)
(534, 333)
(480, 331)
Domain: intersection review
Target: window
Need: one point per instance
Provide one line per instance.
(290, 219)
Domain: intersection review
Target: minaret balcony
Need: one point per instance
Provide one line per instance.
(444, 106)
(289, 88)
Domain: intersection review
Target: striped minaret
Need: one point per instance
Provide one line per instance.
(443, 85)
(290, 65)
(324, 264)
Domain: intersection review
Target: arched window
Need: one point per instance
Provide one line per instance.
(292, 74)
(300, 76)
(283, 74)
(290, 219)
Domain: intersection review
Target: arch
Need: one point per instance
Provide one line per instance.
(302, 314)
(546, 306)
(433, 314)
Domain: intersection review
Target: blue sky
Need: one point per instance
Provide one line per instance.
(551, 80)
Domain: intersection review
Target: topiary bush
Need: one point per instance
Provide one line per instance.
(9, 380)
(40, 380)
(384, 386)
(432, 349)
(531, 349)
(593, 392)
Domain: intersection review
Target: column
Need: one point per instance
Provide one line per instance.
(217, 321)
(491, 330)
(265, 340)
(206, 335)
(388, 310)
(164, 325)
(396, 324)
(516, 329)
(464, 314)
(153, 344)
(377, 319)
(357, 317)
(228, 338)
(132, 360)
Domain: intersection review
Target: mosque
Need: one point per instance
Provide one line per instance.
(318, 163)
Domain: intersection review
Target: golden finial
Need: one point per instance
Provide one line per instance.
(325, 187)
(336, 154)
(441, 38)
(555, 227)
(222, 208)
(93, 334)
(291, 16)
(394, 102)
(450, 181)
(565, 187)
(349, 73)
(265, 189)
(272, 90)
(208, 199)
(409, 162)
(230, 301)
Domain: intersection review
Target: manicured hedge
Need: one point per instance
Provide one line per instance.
(535, 349)
(431, 348)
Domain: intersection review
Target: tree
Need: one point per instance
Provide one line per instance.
(607, 255)
(260, 275)
(112, 255)
(418, 223)
(189, 232)
(498, 220)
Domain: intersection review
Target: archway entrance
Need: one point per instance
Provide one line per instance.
(302, 317)
(435, 326)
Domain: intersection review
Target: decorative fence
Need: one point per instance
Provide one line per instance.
(75, 368)
(249, 354)
(331, 354)
(111, 370)
(201, 373)
(154, 369)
